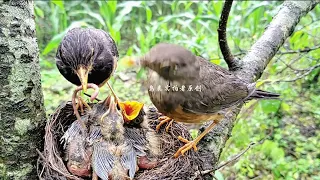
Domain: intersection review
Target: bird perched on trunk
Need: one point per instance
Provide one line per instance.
(87, 57)
(192, 90)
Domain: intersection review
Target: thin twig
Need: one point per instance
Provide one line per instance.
(305, 50)
(290, 63)
(91, 95)
(45, 162)
(236, 157)
(309, 70)
(222, 36)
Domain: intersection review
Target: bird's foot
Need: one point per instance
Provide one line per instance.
(186, 147)
(80, 104)
(193, 144)
(76, 113)
(163, 120)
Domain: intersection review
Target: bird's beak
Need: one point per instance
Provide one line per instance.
(83, 76)
(112, 108)
(130, 61)
(131, 109)
(112, 105)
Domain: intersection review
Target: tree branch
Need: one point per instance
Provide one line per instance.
(305, 50)
(252, 67)
(237, 156)
(308, 71)
(280, 28)
(222, 36)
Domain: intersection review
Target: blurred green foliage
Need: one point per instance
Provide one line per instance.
(289, 128)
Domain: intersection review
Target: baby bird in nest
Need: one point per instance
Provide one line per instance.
(77, 151)
(193, 89)
(124, 144)
(115, 146)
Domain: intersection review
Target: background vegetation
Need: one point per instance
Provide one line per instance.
(286, 133)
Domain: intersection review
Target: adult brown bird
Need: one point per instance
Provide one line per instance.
(190, 89)
(87, 55)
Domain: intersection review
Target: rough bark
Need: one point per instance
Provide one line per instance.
(22, 115)
(252, 67)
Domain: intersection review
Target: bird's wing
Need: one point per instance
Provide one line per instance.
(218, 89)
(95, 134)
(137, 138)
(74, 130)
(102, 160)
(129, 160)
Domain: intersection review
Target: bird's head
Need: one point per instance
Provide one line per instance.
(76, 55)
(111, 121)
(82, 169)
(79, 156)
(131, 109)
(172, 62)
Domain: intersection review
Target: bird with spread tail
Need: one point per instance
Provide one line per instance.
(192, 90)
(86, 57)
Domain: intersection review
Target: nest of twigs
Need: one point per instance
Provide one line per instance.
(51, 164)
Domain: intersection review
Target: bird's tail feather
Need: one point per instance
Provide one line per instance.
(260, 94)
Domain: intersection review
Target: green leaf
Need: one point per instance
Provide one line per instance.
(53, 43)
(140, 73)
(194, 133)
(218, 175)
(285, 107)
(39, 12)
(277, 154)
(59, 3)
(148, 14)
(269, 106)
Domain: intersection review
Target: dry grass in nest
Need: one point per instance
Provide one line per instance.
(51, 165)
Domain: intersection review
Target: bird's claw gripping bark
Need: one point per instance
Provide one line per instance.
(186, 147)
(163, 120)
(193, 144)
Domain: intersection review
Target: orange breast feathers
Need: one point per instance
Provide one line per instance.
(181, 116)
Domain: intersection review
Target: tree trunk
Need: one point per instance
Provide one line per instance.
(22, 115)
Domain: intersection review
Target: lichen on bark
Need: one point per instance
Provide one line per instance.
(22, 115)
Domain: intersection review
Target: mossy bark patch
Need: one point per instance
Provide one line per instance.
(22, 115)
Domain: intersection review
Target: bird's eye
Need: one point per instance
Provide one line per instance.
(165, 70)
(183, 64)
(118, 107)
(138, 120)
